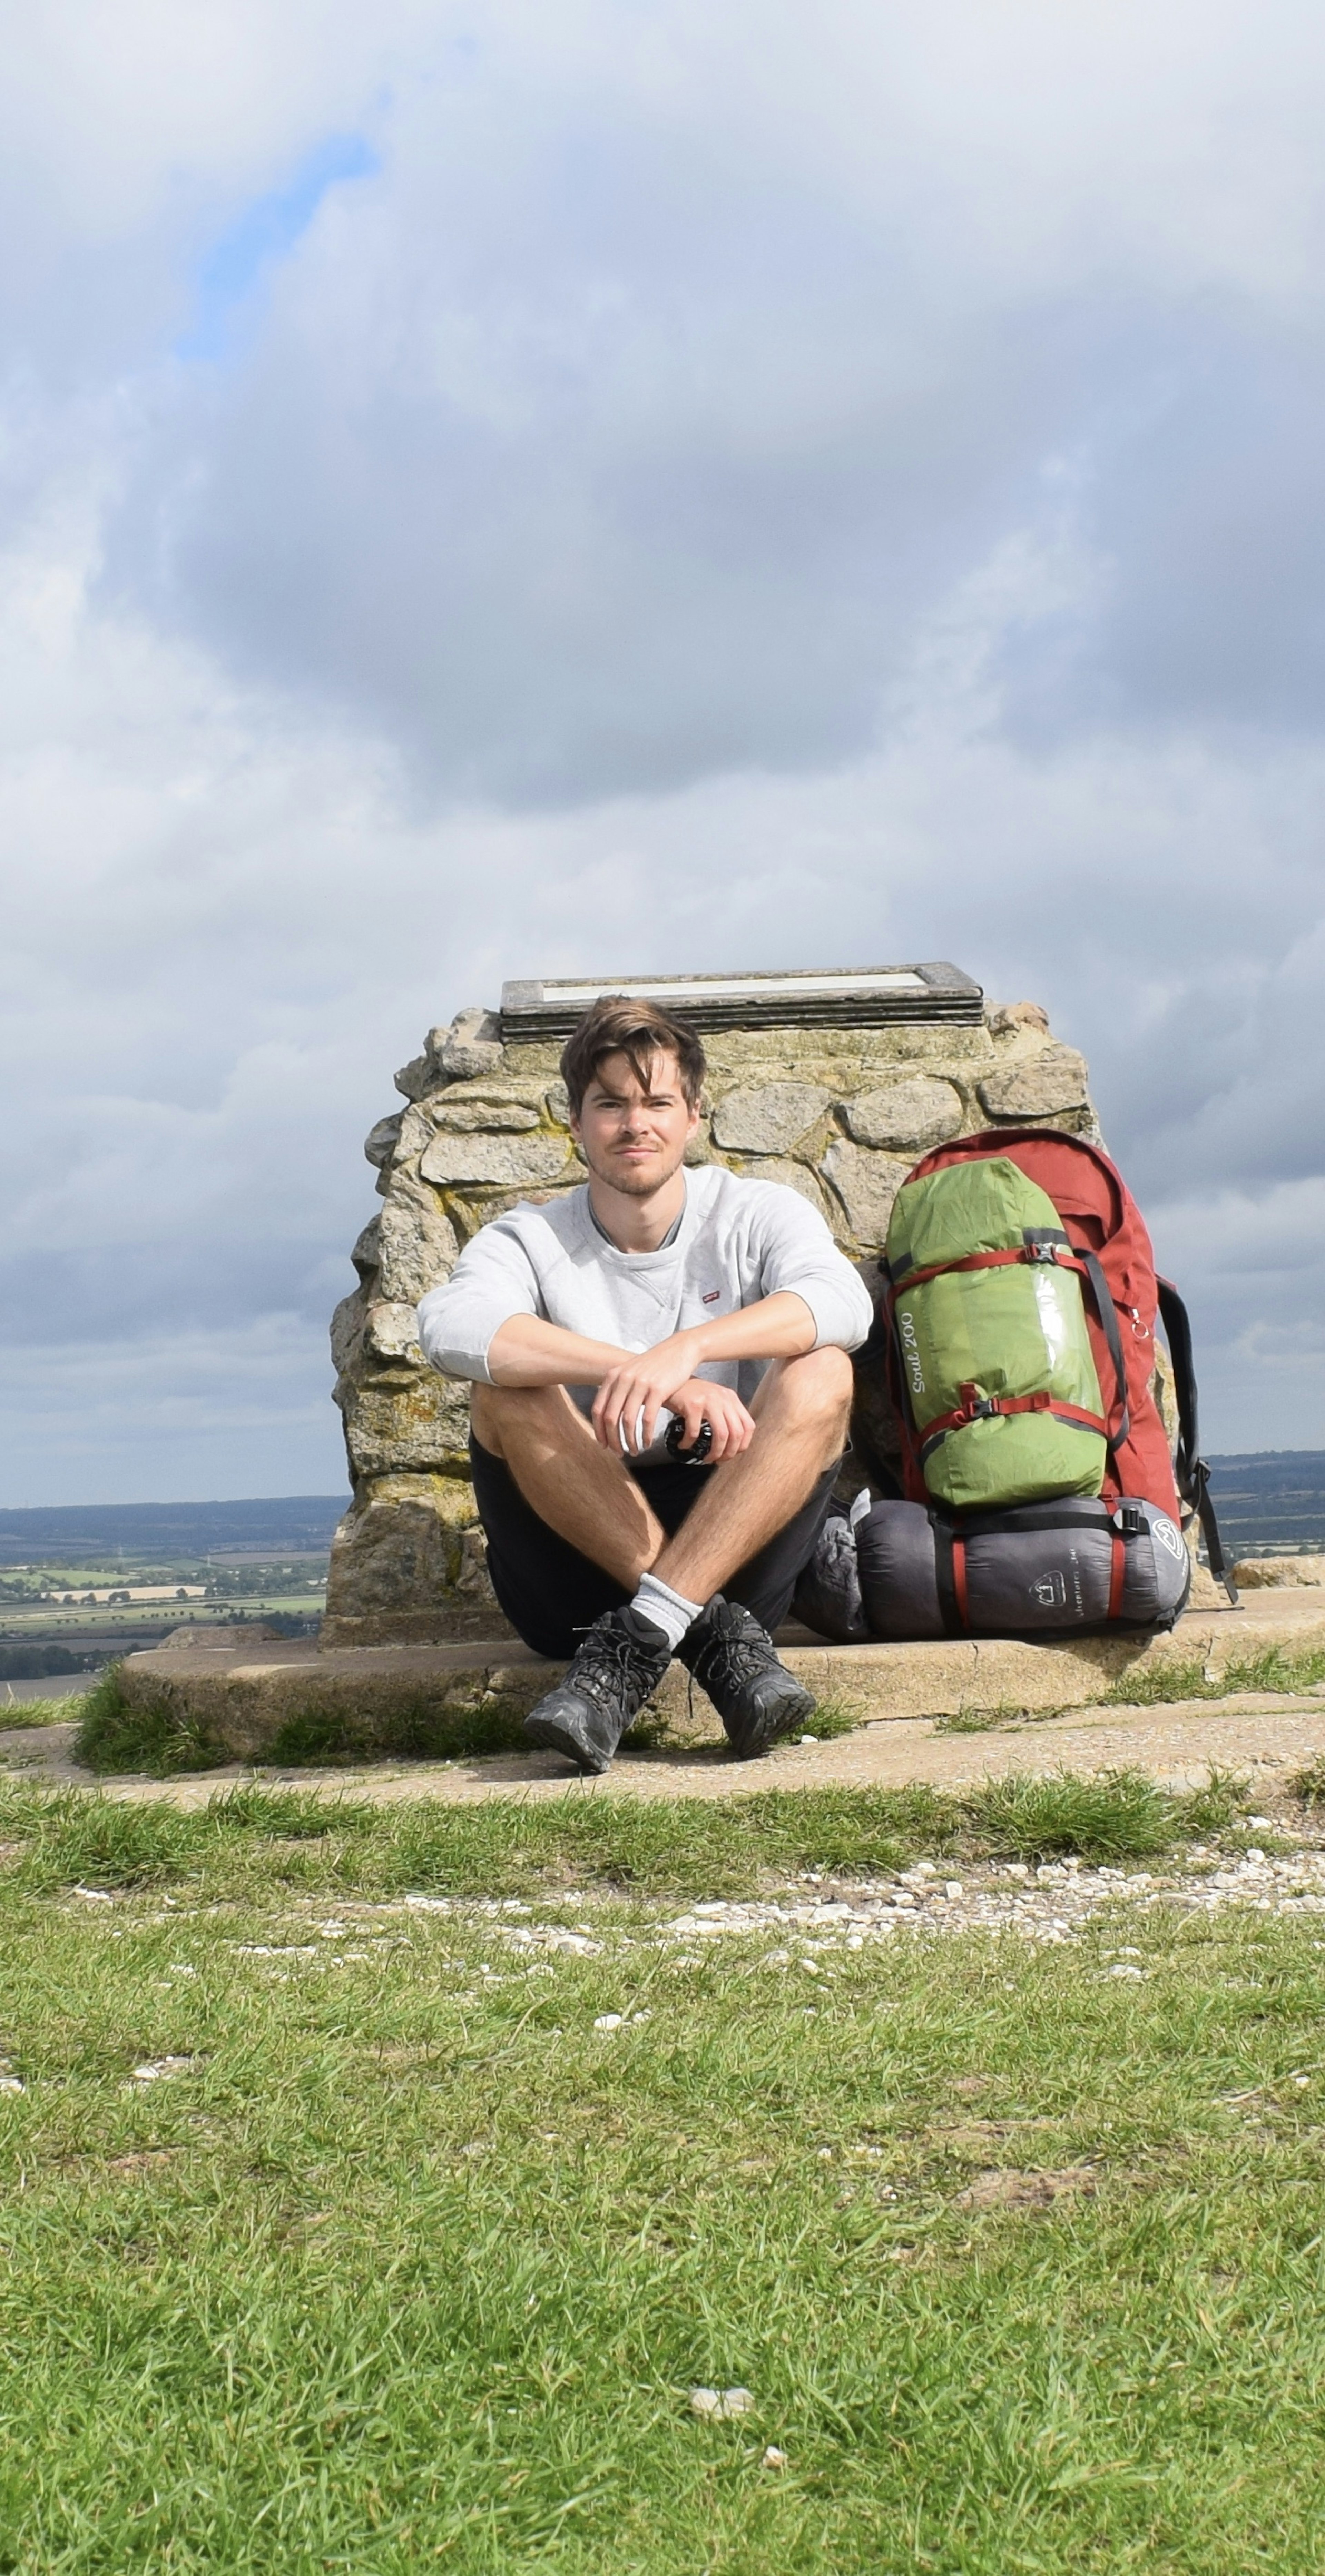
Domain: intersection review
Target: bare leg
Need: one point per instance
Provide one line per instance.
(802, 1409)
(579, 1489)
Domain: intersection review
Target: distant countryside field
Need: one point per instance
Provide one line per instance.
(80, 1587)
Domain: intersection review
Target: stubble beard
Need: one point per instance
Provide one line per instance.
(638, 1183)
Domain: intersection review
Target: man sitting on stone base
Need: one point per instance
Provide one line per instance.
(588, 1325)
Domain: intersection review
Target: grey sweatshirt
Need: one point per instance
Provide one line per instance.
(737, 1242)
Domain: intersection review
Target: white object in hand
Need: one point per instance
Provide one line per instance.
(661, 1428)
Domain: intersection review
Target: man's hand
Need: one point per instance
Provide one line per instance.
(644, 1382)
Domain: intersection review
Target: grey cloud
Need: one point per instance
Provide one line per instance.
(734, 490)
(187, 1414)
(598, 448)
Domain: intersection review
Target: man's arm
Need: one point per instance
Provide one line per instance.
(525, 1351)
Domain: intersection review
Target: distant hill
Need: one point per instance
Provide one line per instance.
(87, 1533)
(1270, 1501)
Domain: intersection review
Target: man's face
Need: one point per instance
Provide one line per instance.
(635, 1138)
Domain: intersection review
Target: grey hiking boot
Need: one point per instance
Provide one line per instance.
(610, 1676)
(737, 1663)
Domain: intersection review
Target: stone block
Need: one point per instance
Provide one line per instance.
(416, 1126)
(484, 1117)
(416, 1077)
(422, 1427)
(499, 1161)
(866, 1183)
(1009, 1019)
(394, 1548)
(391, 1334)
(473, 1210)
(906, 1117)
(770, 1117)
(381, 1141)
(1036, 1086)
(367, 1252)
(471, 1046)
(1278, 1573)
(417, 1244)
(347, 1326)
(410, 1549)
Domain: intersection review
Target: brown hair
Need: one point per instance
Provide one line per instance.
(616, 1025)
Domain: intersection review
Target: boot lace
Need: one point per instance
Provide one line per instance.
(731, 1659)
(609, 1664)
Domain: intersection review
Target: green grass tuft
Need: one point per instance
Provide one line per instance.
(1275, 1668)
(1308, 1784)
(1118, 1816)
(44, 1712)
(1216, 1808)
(115, 1736)
(835, 1716)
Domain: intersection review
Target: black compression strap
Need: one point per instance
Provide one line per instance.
(1190, 1470)
(1067, 1512)
(1108, 1315)
(1214, 1545)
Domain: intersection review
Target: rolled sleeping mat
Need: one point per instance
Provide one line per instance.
(1062, 1566)
(827, 1595)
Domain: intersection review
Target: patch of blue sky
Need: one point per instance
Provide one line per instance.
(265, 232)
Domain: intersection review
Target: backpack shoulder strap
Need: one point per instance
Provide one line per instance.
(1108, 1315)
(1191, 1473)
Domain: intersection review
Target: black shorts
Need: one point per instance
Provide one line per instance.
(550, 1593)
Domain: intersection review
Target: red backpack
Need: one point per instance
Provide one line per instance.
(1123, 1297)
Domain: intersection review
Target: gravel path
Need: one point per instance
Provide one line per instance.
(811, 1923)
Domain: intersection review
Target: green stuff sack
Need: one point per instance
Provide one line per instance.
(991, 1339)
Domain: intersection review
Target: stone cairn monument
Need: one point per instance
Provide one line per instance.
(834, 1083)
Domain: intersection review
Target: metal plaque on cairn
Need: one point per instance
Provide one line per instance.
(828, 997)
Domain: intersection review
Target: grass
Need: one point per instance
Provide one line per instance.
(44, 1712)
(157, 1738)
(1276, 1668)
(992, 1721)
(648, 1846)
(408, 2264)
(835, 1716)
(1308, 1784)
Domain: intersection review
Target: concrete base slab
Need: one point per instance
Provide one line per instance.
(287, 1702)
(1258, 1735)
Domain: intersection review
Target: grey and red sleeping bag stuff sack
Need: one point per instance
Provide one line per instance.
(1017, 1333)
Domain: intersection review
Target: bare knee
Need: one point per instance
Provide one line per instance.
(816, 1389)
(500, 1413)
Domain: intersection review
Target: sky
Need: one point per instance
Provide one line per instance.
(621, 486)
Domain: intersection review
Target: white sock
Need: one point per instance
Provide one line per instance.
(668, 1610)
